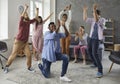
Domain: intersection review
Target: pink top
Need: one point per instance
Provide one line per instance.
(37, 38)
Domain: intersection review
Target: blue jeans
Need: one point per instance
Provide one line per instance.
(93, 45)
(65, 60)
(46, 64)
(46, 67)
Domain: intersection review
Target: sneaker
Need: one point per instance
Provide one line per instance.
(64, 78)
(43, 71)
(38, 62)
(99, 75)
(31, 69)
(6, 70)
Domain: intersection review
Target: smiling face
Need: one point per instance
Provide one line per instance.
(40, 19)
(81, 30)
(64, 17)
(52, 27)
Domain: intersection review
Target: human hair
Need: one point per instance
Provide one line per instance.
(98, 12)
(37, 22)
(65, 15)
(40, 18)
(51, 23)
(82, 27)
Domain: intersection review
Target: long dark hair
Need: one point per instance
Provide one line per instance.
(37, 22)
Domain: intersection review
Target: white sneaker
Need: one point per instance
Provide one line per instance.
(39, 62)
(64, 78)
(31, 69)
(6, 70)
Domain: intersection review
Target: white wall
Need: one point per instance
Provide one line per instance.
(53, 9)
(13, 16)
(4, 19)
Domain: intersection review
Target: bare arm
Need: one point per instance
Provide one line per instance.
(85, 13)
(63, 24)
(37, 12)
(58, 27)
(25, 10)
(70, 14)
(81, 35)
(60, 14)
(95, 12)
(48, 17)
(76, 38)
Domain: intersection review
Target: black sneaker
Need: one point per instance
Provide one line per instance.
(31, 69)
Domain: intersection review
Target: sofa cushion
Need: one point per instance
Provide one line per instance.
(73, 42)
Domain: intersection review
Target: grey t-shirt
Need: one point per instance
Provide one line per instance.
(84, 40)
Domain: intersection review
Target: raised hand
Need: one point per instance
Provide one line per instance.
(85, 8)
(69, 7)
(48, 17)
(25, 10)
(76, 33)
(26, 6)
(95, 6)
(37, 13)
(65, 8)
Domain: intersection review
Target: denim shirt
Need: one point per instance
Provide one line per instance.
(48, 51)
(58, 36)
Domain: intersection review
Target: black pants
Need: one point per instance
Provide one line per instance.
(93, 45)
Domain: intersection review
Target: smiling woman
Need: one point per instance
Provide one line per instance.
(3, 19)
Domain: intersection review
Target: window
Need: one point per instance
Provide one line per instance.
(44, 11)
(33, 5)
(3, 19)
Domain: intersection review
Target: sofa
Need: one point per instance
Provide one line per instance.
(71, 49)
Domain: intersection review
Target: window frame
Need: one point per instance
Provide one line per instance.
(3, 19)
